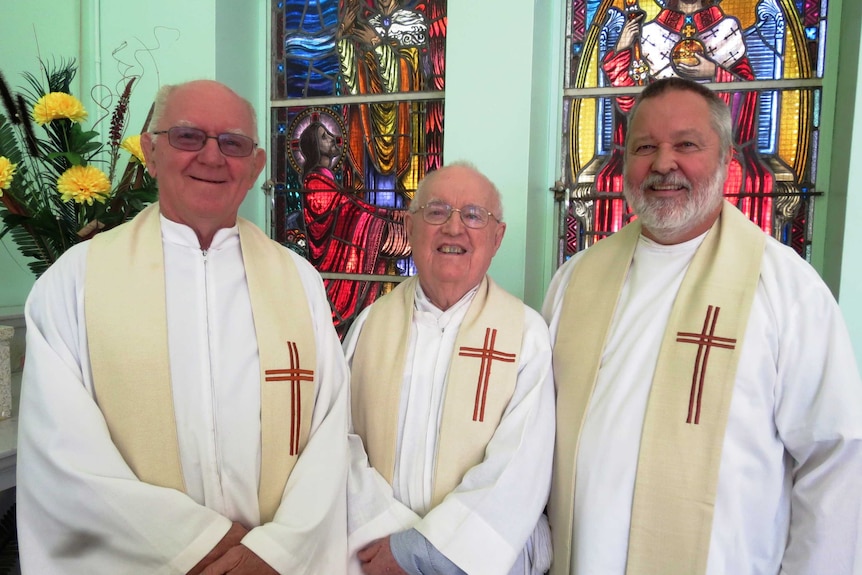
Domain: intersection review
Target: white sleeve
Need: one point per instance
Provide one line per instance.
(80, 507)
(818, 402)
(308, 533)
(483, 525)
(373, 510)
(553, 303)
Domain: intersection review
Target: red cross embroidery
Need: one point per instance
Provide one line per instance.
(488, 355)
(294, 375)
(705, 340)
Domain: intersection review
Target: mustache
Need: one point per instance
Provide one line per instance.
(672, 179)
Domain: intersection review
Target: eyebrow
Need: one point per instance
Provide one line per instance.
(690, 133)
(237, 131)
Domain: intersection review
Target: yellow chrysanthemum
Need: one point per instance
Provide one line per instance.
(7, 170)
(132, 144)
(58, 106)
(84, 184)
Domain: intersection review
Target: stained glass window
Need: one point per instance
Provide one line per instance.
(765, 58)
(356, 122)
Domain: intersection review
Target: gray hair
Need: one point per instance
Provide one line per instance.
(421, 189)
(160, 104)
(720, 118)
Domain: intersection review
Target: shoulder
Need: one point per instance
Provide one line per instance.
(797, 300)
(536, 329)
(308, 274)
(558, 285)
(55, 304)
(67, 273)
(782, 269)
(354, 333)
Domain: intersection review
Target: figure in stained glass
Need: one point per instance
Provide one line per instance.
(344, 234)
(346, 165)
(383, 50)
(692, 39)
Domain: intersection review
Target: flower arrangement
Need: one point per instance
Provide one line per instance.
(59, 185)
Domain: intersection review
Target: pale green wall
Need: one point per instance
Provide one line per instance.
(56, 36)
(495, 135)
(512, 136)
(163, 41)
(545, 144)
(848, 150)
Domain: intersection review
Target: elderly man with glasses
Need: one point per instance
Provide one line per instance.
(185, 395)
(452, 403)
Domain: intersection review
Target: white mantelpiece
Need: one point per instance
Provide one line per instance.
(9, 426)
(6, 333)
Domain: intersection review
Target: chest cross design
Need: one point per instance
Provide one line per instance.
(705, 341)
(295, 375)
(488, 355)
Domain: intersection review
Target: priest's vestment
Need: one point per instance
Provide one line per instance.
(81, 508)
(788, 494)
(483, 524)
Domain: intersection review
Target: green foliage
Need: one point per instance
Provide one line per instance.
(32, 211)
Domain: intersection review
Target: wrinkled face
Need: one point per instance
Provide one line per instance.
(451, 258)
(205, 188)
(674, 173)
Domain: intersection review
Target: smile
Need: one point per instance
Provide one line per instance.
(451, 250)
(207, 181)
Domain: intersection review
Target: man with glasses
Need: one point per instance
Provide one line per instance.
(452, 401)
(185, 403)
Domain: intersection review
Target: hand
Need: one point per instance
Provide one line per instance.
(231, 539)
(240, 560)
(705, 68)
(376, 559)
(366, 35)
(631, 32)
(348, 18)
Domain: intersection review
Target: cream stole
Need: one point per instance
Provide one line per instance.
(480, 382)
(689, 400)
(128, 339)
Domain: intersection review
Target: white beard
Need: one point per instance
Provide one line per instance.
(667, 218)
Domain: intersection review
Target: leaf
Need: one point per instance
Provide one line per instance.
(73, 158)
(9, 145)
(32, 212)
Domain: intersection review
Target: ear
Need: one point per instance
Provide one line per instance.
(728, 157)
(498, 236)
(408, 226)
(148, 148)
(259, 162)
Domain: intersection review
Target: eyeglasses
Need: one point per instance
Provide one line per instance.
(193, 139)
(438, 213)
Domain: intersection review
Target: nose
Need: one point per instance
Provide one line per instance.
(664, 160)
(210, 153)
(453, 226)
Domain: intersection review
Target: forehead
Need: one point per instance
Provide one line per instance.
(208, 106)
(459, 186)
(672, 114)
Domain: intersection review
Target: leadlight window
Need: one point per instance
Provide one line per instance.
(764, 57)
(356, 122)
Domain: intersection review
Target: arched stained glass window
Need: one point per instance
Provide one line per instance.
(763, 57)
(356, 122)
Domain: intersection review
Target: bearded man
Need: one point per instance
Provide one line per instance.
(708, 415)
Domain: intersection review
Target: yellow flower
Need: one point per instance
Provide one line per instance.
(58, 106)
(7, 170)
(84, 184)
(132, 144)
